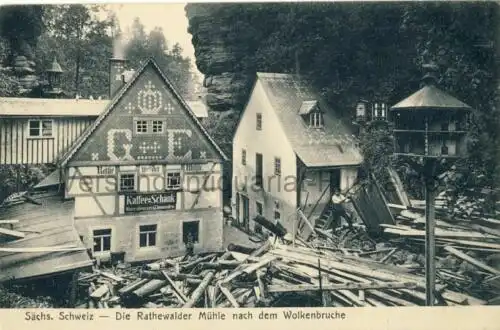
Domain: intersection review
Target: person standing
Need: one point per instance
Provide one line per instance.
(339, 211)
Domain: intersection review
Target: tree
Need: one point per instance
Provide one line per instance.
(361, 50)
(21, 26)
(141, 46)
(82, 43)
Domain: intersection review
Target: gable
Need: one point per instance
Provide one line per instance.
(168, 132)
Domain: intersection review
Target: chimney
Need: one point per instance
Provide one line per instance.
(116, 69)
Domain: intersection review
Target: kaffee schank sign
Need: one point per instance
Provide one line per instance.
(150, 201)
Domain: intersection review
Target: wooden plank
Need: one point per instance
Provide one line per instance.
(12, 233)
(253, 267)
(149, 288)
(198, 292)
(360, 269)
(304, 218)
(2, 222)
(100, 292)
(112, 276)
(42, 249)
(388, 255)
(133, 286)
(343, 286)
(177, 291)
(439, 233)
(391, 299)
(472, 243)
(471, 260)
(229, 296)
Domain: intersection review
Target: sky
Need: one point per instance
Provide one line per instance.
(171, 17)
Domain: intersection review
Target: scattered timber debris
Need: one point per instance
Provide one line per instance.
(340, 268)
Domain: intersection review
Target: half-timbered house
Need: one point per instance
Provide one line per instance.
(143, 175)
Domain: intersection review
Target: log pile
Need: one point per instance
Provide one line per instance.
(342, 268)
(467, 251)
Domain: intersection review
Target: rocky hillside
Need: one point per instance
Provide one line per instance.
(349, 50)
(355, 50)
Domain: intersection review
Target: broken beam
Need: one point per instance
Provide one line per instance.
(176, 290)
(343, 286)
(198, 292)
(471, 260)
(229, 296)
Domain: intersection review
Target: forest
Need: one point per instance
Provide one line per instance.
(361, 50)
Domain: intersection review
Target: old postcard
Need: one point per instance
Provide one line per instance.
(293, 163)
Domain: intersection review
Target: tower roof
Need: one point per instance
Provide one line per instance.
(430, 97)
(55, 67)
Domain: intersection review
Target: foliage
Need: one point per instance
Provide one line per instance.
(16, 178)
(377, 146)
(141, 46)
(9, 299)
(81, 42)
(219, 125)
(21, 26)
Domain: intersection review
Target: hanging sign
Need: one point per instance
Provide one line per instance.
(151, 201)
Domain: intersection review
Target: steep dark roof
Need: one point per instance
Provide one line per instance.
(47, 225)
(430, 97)
(332, 145)
(111, 105)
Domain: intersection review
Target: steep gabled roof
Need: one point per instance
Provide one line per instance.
(111, 105)
(332, 145)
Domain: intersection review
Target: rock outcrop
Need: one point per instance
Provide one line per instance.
(221, 49)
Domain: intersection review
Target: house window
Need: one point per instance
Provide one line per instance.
(444, 149)
(102, 240)
(277, 166)
(259, 122)
(190, 232)
(173, 180)
(277, 215)
(243, 157)
(141, 126)
(259, 178)
(316, 120)
(127, 182)
(259, 208)
(147, 235)
(40, 128)
(157, 126)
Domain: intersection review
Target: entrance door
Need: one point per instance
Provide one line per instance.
(334, 180)
(258, 170)
(246, 212)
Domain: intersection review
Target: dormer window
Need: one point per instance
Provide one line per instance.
(316, 119)
(311, 113)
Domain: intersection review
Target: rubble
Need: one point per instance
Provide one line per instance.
(343, 267)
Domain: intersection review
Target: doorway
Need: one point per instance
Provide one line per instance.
(334, 180)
